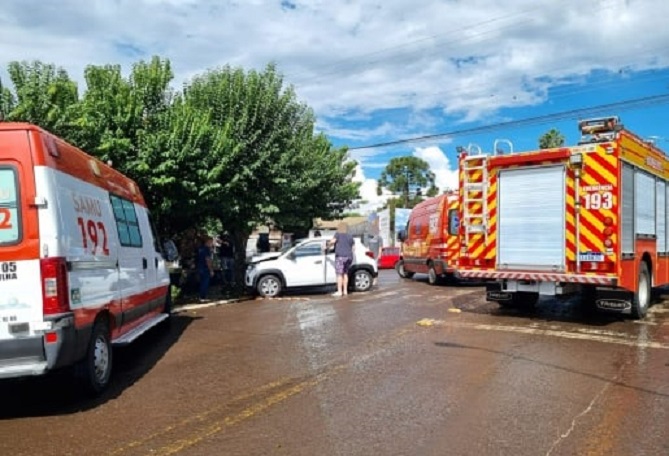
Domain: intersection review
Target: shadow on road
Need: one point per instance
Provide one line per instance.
(58, 393)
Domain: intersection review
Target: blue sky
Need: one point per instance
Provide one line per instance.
(378, 71)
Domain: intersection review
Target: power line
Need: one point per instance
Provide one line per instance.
(538, 120)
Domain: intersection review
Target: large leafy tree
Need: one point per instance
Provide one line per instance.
(45, 95)
(409, 177)
(552, 138)
(233, 147)
(266, 162)
(6, 101)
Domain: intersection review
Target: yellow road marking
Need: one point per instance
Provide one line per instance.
(258, 407)
(200, 416)
(245, 414)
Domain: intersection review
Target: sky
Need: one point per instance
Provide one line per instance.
(452, 72)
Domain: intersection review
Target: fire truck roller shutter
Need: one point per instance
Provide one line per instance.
(531, 217)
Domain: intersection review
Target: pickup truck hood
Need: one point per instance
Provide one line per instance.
(264, 257)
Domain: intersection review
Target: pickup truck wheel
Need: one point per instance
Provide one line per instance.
(403, 273)
(269, 286)
(362, 280)
(641, 300)
(94, 370)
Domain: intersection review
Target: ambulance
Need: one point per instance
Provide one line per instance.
(589, 219)
(430, 243)
(81, 268)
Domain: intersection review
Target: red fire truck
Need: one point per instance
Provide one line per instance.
(430, 242)
(588, 219)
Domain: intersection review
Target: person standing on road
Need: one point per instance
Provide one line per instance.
(227, 253)
(205, 266)
(343, 244)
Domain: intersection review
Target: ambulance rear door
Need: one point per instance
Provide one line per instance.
(20, 285)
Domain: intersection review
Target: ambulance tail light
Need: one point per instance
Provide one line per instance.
(55, 297)
(370, 254)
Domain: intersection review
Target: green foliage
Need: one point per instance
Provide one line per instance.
(7, 101)
(410, 177)
(268, 164)
(45, 95)
(233, 149)
(550, 139)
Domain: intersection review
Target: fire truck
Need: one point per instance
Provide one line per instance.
(430, 242)
(589, 219)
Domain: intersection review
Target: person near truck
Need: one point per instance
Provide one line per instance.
(227, 254)
(205, 266)
(343, 244)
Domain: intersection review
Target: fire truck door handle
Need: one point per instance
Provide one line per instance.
(145, 263)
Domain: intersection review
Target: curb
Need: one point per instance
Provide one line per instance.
(196, 306)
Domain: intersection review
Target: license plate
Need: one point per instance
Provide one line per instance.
(16, 328)
(595, 257)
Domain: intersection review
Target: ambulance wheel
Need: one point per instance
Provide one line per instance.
(95, 369)
(432, 277)
(641, 300)
(399, 267)
(269, 286)
(167, 307)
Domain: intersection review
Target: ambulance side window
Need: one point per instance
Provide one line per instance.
(126, 222)
(10, 222)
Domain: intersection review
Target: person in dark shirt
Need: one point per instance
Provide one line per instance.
(205, 267)
(227, 254)
(343, 244)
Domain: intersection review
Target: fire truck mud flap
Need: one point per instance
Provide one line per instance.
(494, 293)
(614, 300)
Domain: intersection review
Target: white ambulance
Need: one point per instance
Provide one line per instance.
(80, 265)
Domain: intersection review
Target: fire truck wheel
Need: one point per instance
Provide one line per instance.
(641, 300)
(399, 267)
(432, 276)
(94, 370)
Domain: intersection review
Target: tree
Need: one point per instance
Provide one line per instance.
(233, 149)
(7, 101)
(265, 163)
(45, 95)
(550, 139)
(406, 174)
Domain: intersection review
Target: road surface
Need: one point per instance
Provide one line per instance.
(406, 369)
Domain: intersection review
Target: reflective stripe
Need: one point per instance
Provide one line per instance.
(91, 265)
(540, 277)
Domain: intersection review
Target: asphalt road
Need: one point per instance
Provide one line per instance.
(406, 369)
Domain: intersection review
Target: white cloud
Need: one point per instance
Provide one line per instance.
(371, 201)
(446, 177)
(467, 58)
(446, 174)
